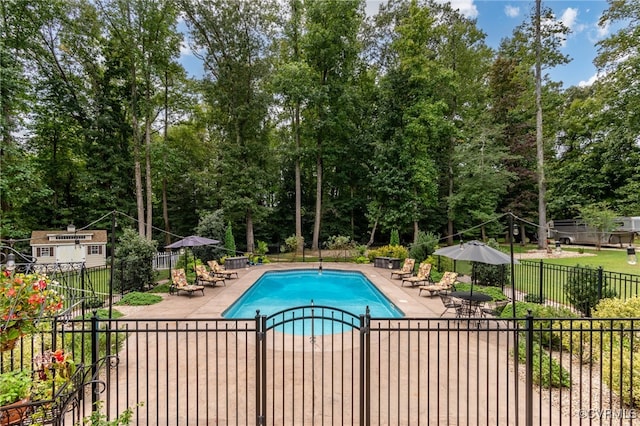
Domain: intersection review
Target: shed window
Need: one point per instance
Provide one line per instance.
(95, 249)
(44, 252)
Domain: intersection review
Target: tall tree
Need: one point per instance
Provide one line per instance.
(331, 49)
(234, 38)
(536, 44)
(146, 31)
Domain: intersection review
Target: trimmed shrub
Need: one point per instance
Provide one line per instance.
(425, 244)
(389, 251)
(134, 255)
(547, 372)
(395, 237)
(582, 288)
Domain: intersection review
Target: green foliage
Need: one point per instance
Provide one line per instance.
(160, 288)
(533, 298)
(211, 225)
(361, 260)
(547, 372)
(262, 248)
(229, 241)
(139, 299)
(291, 244)
(582, 289)
(494, 275)
(98, 418)
(14, 386)
(425, 244)
(134, 256)
(399, 252)
(495, 293)
(339, 242)
(395, 237)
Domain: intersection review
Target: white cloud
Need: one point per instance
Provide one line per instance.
(590, 81)
(512, 11)
(603, 31)
(569, 17)
(466, 7)
(185, 50)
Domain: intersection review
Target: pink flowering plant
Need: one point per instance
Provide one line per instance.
(25, 299)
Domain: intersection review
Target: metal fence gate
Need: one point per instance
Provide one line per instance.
(316, 365)
(313, 367)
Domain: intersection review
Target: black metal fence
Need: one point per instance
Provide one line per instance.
(548, 283)
(316, 365)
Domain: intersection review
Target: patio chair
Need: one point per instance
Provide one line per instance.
(406, 270)
(493, 309)
(448, 302)
(220, 271)
(445, 284)
(205, 277)
(423, 275)
(179, 283)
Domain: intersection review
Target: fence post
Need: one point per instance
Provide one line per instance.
(365, 369)
(95, 348)
(600, 281)
(529, 370)
(541, 281)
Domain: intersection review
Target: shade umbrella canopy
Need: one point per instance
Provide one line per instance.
(476, 251)
(193, 241)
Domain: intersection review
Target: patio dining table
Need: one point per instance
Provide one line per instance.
(473, 300)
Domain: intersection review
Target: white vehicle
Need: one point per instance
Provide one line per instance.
(575, 231)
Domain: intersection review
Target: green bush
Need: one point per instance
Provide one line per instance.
(582, 289)
(546, 321)
(424, 245)
(160, 288)
(139, 299)
(134, 265)
(361, 259)
(339, 242)
(229, 241)
(495, 293)
(547, 372)
(389, 251)
(291, 244)
(493, 275)
(620, 347)
(395, 237)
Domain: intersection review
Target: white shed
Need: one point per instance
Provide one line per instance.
(88, 246)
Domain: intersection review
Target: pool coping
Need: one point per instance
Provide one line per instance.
(217, 299)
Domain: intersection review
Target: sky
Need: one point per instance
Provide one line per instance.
(498, 18)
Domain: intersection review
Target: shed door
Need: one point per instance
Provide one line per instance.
(70, 253)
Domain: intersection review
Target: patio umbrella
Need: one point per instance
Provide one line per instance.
(475, 251)
(192, 241)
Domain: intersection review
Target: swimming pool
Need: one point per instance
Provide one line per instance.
(276, 291)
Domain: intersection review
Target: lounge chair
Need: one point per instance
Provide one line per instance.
(406, 270)
(220, 271)
(423, 275)
(205, 277)
(445, 284)
(179, 283)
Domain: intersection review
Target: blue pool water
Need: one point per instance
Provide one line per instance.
(276, 291)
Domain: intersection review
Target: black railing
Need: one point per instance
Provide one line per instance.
(548, 282)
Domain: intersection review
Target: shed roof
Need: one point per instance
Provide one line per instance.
(87, 236)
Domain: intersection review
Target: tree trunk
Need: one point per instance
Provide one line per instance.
(316, 223)
(373, 233)
(147, 160)
(165, 131)
(542, 203)
(296, 135)
(250, 238)
(449, 212)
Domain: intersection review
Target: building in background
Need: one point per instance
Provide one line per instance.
(70, 246)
